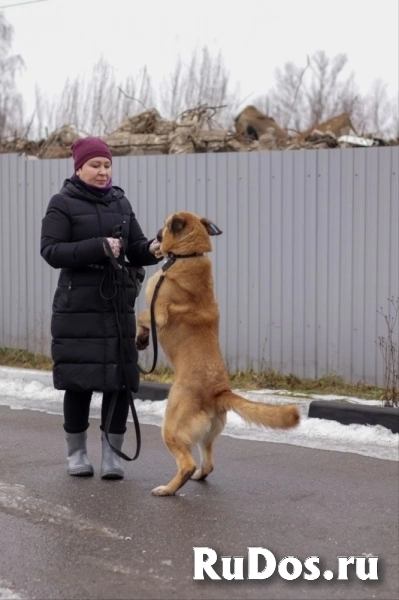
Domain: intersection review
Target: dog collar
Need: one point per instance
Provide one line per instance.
(173, 257)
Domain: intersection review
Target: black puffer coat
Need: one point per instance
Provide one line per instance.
(85, 343)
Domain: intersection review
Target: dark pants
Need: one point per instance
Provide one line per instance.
(77, 408)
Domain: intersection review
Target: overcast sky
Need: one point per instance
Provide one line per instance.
(64, 38)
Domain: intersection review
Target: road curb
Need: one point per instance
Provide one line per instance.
(354, 413)
(152, 391)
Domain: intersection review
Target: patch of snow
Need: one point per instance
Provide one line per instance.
(20, 392)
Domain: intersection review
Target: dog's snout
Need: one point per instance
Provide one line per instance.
(159, 235)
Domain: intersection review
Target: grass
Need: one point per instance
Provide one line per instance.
(10, 357)
(329, 384)
(249, 380)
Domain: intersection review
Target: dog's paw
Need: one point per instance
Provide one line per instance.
(200, 474)
(161, 490)
(142, 341)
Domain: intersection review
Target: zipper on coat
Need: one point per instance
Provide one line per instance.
(69, 291)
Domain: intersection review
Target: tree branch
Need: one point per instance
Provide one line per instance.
(298, 88)
(104, 123)
(132, 98)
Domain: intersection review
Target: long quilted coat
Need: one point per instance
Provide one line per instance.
(85, 342)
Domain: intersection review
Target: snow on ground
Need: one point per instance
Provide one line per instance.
(6, 593)
(30, 390)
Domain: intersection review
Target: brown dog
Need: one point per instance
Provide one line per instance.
(187, 320)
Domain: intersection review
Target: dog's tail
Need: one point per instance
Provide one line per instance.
(266, 415)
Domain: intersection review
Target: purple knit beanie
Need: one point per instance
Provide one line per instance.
(87, 148)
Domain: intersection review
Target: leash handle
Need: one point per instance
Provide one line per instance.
(111, 256)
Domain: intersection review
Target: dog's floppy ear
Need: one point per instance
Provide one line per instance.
(176, 224)
(211, 228)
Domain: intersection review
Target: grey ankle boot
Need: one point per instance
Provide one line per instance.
(78, 462)
(111, 465)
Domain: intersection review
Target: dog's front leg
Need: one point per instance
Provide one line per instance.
(144, 325)
(143, 329)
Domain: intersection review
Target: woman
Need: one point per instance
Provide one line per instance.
(78, 235)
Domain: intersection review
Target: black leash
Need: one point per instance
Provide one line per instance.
(119, 277)
(119, 273)
(167, 264)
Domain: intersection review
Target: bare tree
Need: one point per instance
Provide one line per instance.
(288, 97)
(353, 103)
(43, 114)
(306, 95)
(137, 94)
(285, 101)
(96, 105)
(323, 93)
(303, 95)
(11, 104)
(204, 81)
(379, 107)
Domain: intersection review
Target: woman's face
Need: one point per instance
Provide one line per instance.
(96, 171)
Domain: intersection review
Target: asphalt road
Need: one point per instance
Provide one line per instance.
(63, 537)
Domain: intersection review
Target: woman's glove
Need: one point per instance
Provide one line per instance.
(115, 244)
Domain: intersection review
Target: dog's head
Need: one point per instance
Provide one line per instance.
(186, 233)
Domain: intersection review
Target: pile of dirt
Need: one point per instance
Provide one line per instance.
(194, 132)
(56, 145)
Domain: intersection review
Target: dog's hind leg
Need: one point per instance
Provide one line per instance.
(185, 467)
(184, 426)
(206, 448)
(206, 458)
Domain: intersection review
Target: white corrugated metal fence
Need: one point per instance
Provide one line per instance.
(309, 251)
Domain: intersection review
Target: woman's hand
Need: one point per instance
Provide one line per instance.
(155, 249)
(116, 245)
